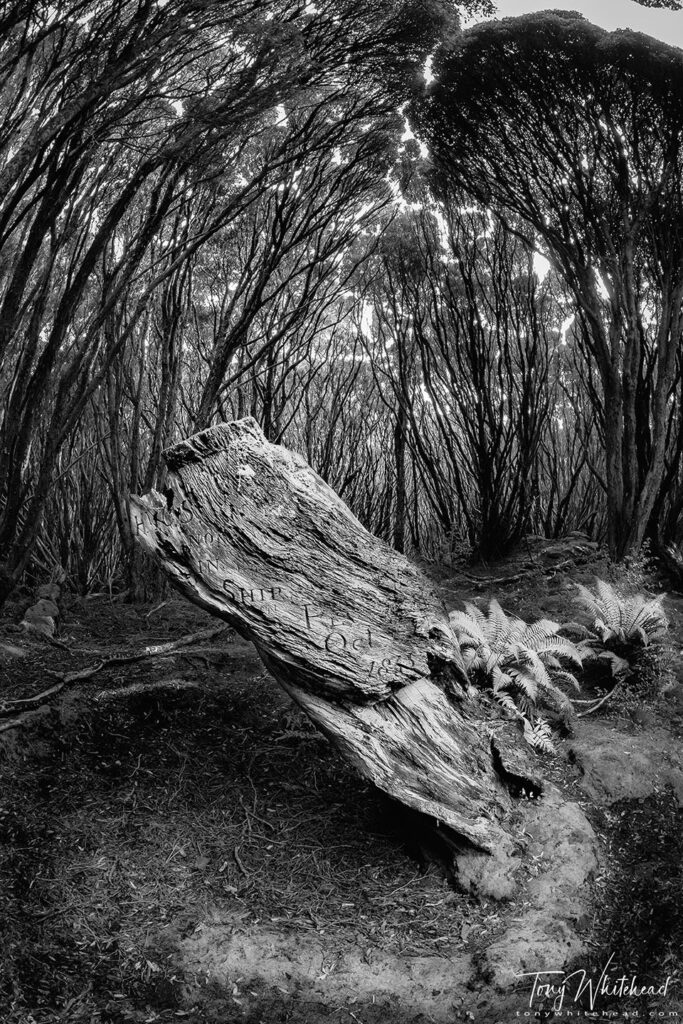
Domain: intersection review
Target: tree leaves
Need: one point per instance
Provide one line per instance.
(579, 132)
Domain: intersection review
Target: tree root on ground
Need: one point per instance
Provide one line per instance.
(165, 650)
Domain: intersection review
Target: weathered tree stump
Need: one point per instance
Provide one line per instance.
(350, 628)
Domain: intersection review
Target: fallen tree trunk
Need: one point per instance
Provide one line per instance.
(350, 628)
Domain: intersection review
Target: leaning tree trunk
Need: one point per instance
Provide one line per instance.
(350, 628)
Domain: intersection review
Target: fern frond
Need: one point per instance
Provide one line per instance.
(612, 604)
(589, 601)
(646, 615)
(560, 646)
(607, 632)
(497, 626)
(469, 658)
(634, 609)
(525, 680)
(473, 659)
(506, 701)
(466, 627)
(525, 704)
(556, 696)
(491, 660)
(566, 677)
(641, 635)
(518, 628)
(475, 612)
(539, 633)
(538, 735)
(499, 679)
(576, 627)
(524, 656)
(659, 632)
(635, 619)
(521, 662)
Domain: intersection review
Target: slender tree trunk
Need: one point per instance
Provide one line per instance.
(400, 465)
(614, 437)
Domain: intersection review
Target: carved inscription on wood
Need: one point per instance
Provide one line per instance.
(248, 529)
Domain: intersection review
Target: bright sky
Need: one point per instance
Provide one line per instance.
(610, 14)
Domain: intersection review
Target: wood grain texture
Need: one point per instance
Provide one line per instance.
(351, 629)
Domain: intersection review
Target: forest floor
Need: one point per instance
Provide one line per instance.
(177, 843)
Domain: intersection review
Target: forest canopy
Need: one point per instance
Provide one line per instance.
(579, 133)
(209, 211)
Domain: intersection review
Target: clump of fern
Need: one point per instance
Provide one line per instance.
(522, 663)
(635, 621)
(630, 631)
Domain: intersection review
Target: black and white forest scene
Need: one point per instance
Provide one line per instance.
(341, 511)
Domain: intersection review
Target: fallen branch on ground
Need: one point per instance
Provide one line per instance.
(159, 684)
(589, 711)
(65, 679)
(498, 580)
(157, 608)
(16, 724)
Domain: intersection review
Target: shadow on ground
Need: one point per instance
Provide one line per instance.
(178, 844)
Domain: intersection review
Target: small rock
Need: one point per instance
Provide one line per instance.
(42, 617)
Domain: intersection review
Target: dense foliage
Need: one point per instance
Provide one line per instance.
(209, 211)
(526, 665)
(579, 134)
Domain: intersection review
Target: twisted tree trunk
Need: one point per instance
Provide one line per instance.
(350, 628)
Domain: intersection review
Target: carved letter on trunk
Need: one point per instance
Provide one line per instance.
(350, 628)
